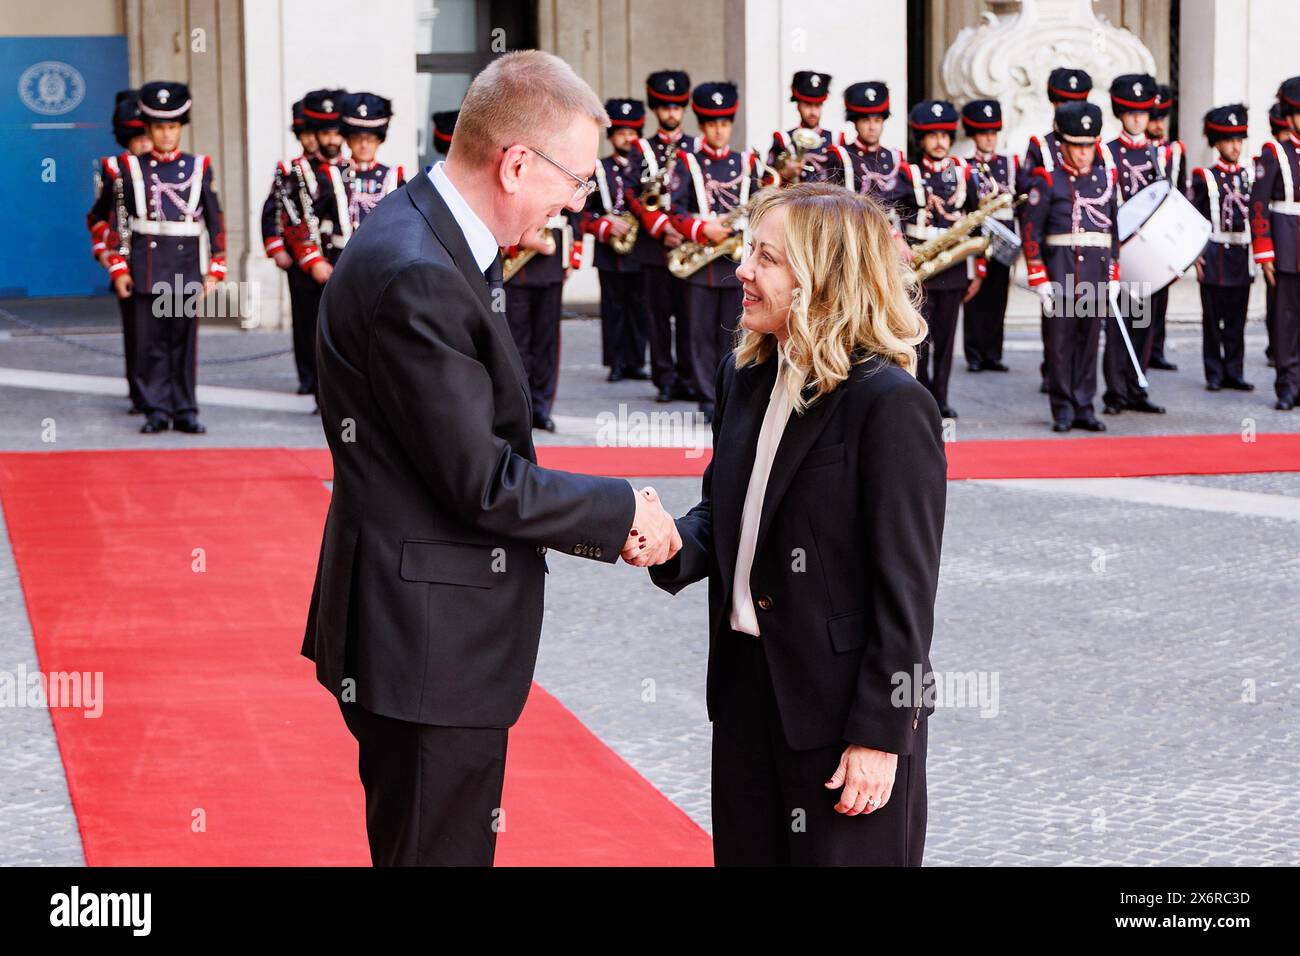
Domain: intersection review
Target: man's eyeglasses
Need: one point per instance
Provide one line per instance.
(585, 186)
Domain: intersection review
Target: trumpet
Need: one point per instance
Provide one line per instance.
(956, 243)
(513, 264)
(690, 257)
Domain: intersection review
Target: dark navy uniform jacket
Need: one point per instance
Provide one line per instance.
(652, 154)
(345, 195)
(609, 199)
(1044, 151)
(1067, 202)
(876, 171)
(172, 206)
(713, 181)
(1221, 194)
(942, 192)
(815, 161)
(1002, 176)
(272, 211)
(1136, 160)
(1275, 206)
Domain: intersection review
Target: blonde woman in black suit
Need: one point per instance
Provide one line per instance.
(819, 531)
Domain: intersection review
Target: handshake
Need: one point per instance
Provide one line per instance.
(653, 538)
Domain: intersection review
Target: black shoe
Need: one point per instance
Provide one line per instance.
(545, 422)
(947, 411)
(1089, 423)
(1061, 426)
(1162, 363)
(1213, 387)
(706, 412)
(306, 389)
(679, 391)
(1146, 405)
(974, 367)
(1042, 387)
(1109, 409)
(616, 374)
(1285, 403)
(637, 375)
(135, 409)
(191, 426)
(155, 424)
(665, 395)
(1237, 385)
(996, 366)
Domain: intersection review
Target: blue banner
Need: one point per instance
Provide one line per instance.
(56, 110)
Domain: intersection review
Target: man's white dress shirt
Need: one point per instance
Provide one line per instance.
(482, 244)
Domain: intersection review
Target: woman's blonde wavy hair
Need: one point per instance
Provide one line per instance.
(854, 296)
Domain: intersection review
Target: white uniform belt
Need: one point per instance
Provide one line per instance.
(1098, 239)
(151, 227)
(1241, 238)
(1285, 207)
(922, 232)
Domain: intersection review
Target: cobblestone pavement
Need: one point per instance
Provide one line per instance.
(1141, 664)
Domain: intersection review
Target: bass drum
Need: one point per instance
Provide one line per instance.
(1161, 234)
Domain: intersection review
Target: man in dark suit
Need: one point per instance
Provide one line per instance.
(427, 607)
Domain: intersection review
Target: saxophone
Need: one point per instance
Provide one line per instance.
(512, 264)
(623, 244)
(690, 257)
(956, 242)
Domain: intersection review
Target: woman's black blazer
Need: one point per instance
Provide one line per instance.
(846, 563)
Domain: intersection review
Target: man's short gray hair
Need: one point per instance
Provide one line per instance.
(529, 97)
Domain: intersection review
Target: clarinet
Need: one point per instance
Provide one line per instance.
(123, 223)
(308, 208)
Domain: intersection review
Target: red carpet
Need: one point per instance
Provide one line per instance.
(216, 745)
(1090, 457)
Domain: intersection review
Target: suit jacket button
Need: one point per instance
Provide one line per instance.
(598, 550)
(577, 549)
(541, 551)
(765, 603)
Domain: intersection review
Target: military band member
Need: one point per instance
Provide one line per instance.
(1280, 128)
(273, 221)
(1172, 156)
(622, 312)
(708, 187)
(984, 316)
(808, 91)
(864, 165)
(663, 294)
(304, 231)
(348, 191)
(1064, 85)
(1071, 247)
(533, 295)
(1134, 158)
(131, 135)
(944, 188)
(1222, 195)
(177, 235)
(1275, 228)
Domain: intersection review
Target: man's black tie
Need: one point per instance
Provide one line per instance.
(494, 276)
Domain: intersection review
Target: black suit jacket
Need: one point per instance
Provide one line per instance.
(846, 563)
(432, 565)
